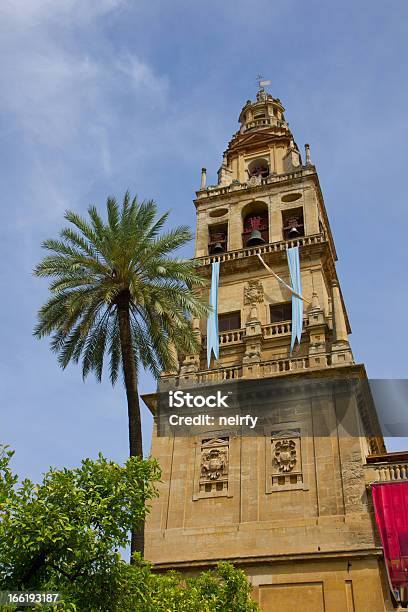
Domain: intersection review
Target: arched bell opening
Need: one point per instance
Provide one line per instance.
(258, 167)
(217, 238)
(255, 225)
(293, 223)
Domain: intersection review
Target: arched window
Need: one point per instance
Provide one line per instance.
(293, 224)
(217, 238)
(258, 167)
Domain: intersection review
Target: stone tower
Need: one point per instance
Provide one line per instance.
(290, 506)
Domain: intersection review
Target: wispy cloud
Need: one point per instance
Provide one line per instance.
(60, 96)
(76, 11)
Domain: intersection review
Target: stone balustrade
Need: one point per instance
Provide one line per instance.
(256, 123)
(233, 336)
(389, 467)
(270, 330)
(284, 328)
(264, 369)
(219, 374)
(276, 329)
(215, 190)
(280, 366)
(263, 249)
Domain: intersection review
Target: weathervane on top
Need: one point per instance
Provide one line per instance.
(261, 83)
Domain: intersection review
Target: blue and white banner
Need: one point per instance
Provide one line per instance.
(297, 304)
(212, 321)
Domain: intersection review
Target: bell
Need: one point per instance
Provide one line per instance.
(255, 238)
(293, 232)
(217, 248)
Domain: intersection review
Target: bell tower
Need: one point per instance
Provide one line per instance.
(289, 504)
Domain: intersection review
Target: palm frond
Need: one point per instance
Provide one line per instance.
(97, 264)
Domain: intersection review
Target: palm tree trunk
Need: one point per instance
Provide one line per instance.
(130, 376)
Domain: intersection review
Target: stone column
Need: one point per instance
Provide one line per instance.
(310, 212)
(253, 296)
(235, 227)
(340, 328)
(203, 178)
(253, 348)
(341, 352)
(329, 313)
(275, 219)
(307, 155)
(316, 326)
(201, 234)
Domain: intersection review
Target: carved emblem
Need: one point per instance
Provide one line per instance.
(285, 455)
(255, 180)
(213, 463)
(253, 292)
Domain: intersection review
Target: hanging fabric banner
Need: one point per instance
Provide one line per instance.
(212, 321)
(391, 515)
(278, 278)
(297, 303)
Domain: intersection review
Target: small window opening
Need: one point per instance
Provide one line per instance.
(281, 312)
(229, 321)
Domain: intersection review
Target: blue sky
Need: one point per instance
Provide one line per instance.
(100, 96)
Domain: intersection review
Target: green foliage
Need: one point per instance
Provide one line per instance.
(71, 525)
(95, 267)
(63, 534)
(135, 588)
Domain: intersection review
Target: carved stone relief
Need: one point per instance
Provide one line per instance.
(214, 459)
(253, 295)
(285, 455)
(254, 181)
(285, 461)
(253, 292)
(213, 463)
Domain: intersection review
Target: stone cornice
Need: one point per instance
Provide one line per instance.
(239, 189)
(358, 553)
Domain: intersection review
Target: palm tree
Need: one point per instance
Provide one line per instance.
(116, 291)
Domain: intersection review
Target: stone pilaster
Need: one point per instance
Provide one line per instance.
(317, 327)
(253, 348)
(341, 352)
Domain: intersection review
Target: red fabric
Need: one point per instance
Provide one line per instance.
(391, 514)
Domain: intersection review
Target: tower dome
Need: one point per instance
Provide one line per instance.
(266, 111)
